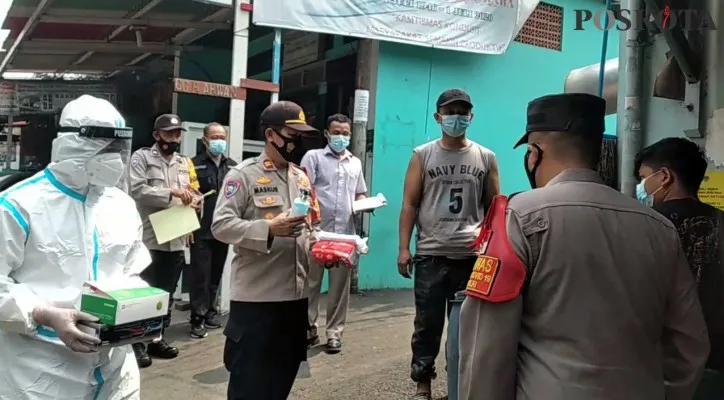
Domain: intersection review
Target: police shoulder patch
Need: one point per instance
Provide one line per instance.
(231, 187)
(135, 161)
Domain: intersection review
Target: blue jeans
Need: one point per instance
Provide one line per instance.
(453, 348)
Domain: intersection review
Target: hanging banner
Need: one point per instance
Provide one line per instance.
(475, 26)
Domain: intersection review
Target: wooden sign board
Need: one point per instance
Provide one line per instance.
(263, 86)
(211, 89)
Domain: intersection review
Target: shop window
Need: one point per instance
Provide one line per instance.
(47, 102)
(260, 63)
(544, 28)
(328, 42)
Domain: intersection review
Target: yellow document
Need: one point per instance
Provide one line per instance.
(173, 223)
(711, 191)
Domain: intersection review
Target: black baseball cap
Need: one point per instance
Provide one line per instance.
(168, 122)
(454, 95)
(286, 113)
(573, 113)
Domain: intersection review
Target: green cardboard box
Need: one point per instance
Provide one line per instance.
(122, 306)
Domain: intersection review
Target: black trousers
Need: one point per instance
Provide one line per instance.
(436, 281)
(207, 266)
(265, 344)
(164, 273)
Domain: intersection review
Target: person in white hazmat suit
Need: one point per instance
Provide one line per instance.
(64, 226)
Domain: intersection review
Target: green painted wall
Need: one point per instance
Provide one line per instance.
(211, 65)
(410, 79)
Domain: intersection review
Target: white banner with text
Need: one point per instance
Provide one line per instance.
(476, 26)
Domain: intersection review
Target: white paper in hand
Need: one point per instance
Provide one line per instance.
(173, 223)
(369, 203)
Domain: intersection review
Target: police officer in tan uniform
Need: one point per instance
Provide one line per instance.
(159, 178)
(604, 306)
(267, 328)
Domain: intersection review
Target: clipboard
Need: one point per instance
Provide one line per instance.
(369, 203)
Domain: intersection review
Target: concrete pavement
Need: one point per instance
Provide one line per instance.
(374, 363)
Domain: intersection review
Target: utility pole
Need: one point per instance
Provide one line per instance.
(276, 62)
(239, 61)
(359, 121)
(10, 149)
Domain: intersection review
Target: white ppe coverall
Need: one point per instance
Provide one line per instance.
(60, 231)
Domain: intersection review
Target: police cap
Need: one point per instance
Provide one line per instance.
(286, 113)
(574, 113)
(168, 122)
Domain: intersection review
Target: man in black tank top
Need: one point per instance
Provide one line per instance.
(671, 172)
(448, 185)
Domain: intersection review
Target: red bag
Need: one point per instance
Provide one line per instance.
(328, 252)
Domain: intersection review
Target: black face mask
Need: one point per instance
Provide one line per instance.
(531, 173)
(292, 150)
(167, 148)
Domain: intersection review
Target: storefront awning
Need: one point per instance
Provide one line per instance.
(104, 36)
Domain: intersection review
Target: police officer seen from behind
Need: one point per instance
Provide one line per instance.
(208, 255)
(266, 334)
(161, 178)
(580, 292)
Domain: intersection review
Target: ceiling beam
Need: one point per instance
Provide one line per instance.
(26, 31)
(56, 19)
(138, 14)
(189, 35)
(71, 47)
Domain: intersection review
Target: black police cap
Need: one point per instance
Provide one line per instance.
(574, 113)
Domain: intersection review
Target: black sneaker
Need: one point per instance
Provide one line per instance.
(213, 321)
(198, 331)
(334, 346)
(162, 350)
(142, 358)
(312, 339)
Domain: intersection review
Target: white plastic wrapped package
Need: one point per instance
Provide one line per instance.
(334, 249)
(360, 242)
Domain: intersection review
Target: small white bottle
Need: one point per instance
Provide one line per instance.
(301, 204)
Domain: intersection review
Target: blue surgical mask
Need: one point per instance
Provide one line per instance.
(455, 125)
(217, 146)
(642, 195)
(338, 142)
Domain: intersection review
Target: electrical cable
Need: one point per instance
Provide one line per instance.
(604, 49)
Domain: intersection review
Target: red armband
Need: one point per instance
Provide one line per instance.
(498, 274)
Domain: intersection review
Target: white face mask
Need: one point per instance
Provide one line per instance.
(105, 169)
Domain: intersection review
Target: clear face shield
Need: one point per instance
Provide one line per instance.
(108, 166)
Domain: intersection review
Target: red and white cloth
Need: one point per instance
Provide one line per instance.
(337, 249)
